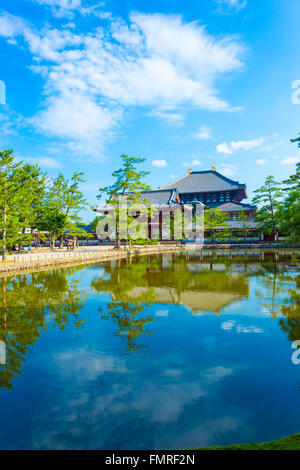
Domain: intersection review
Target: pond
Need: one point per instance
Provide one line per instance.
(160, 352)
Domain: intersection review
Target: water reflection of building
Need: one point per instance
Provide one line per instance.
(199, 287)
(194, 300)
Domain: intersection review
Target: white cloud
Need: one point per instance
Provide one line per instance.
(193, 163)
(228, 169)
(159, 163)
(261, 161)
(290, 161)
(77, 115)
(246, 144)
(62, 8)
(204, 133)
(156, 61)
(10, 25)
(43, 162)
(239, 145)
(47, 162)
(223, 148)
(230, 5)
(168, 116)
(270, 147)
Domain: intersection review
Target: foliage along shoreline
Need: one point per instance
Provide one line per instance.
(285, 443)
(50, 207)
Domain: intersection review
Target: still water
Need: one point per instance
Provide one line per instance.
(159, 352)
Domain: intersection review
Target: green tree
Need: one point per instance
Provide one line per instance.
(129, 180)
(34, 182)
(19, 188)
(214, 219)
(244, 223)
(51, 221)
(59, 213)
(95, 221)
(268, 197)
(289, 212)
(66, 196)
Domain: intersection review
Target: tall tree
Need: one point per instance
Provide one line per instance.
(34, 182)
(19, 188)
(289, 212)
(62, 203)
(51, 221)
(214, 219)
(129, 180)
(268, 197)
(66, 196)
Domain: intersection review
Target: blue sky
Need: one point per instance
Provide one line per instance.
(183, 84)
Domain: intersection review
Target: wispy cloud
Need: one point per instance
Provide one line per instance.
(228, 169)
(261, 161)
(194, 163)
(290, 161)
(230, 6)
(156, 61)
(171, 117)
(66, 8)
(204, 133)
(233, 146)
(43, 162)
(159, 163)
(224, 148)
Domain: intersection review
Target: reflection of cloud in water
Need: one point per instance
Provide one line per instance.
(233, 326)
(173, 372)
(217, 373)
(108, 414)
(86, 365)
(162, 313)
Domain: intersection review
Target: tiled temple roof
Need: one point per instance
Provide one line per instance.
(231, 206)
(161, 196)
(238, 224)
(204, 181)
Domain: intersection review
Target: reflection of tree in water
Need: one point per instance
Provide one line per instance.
(291, 312)
(135, 284)
(281, 296)
(30, 304)
(123, 310)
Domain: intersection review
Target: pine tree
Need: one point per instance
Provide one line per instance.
(269, 198)
(127, 180)
(16, 199)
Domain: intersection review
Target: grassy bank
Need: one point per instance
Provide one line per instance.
(286, 443)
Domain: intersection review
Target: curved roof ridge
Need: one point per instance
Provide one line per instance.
(225, 178)
(204, 181)
(176, 181)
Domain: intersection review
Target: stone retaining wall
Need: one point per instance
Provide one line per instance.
(26, 262)
(36, 261)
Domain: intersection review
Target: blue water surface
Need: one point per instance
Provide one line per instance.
(156, 353)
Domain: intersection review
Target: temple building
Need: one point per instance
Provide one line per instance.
(214, 191)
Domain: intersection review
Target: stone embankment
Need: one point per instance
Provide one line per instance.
(33, 261)
(36, 261)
